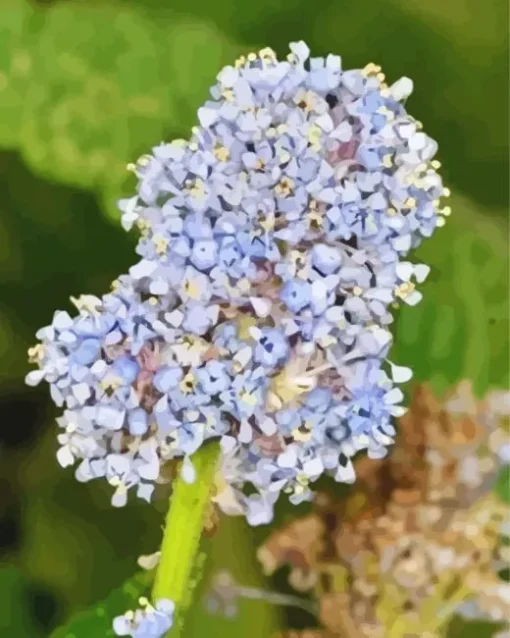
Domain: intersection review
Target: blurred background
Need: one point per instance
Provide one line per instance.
(87, 87)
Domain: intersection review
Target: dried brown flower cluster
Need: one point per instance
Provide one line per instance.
(420, 535)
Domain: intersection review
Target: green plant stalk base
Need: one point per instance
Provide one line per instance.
(183, 531)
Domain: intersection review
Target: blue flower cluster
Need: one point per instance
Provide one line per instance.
(147, 621)
(272, 251)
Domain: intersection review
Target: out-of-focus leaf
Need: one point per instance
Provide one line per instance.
(54, 243)
(233, 549)
(503, 485)
(467, 20)
(255, 619)
(459, 628)
(75, 542)
(460, 328)
(86, 89)
(15, 619)
(72, 532)
(11, 256)
(17, 18)
(9, 341)
(97, 620)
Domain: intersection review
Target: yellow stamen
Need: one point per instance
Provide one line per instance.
(144, 160)
(192, 289)
(267, 54)
(36, 353)
(287, 387)
(383, 110)
(187, 385)
(110, 384)
(248, 397)
(267, 222)
(314, 136)
(196, 188)
(303, 432)
(245, 323)
(285, 187)
(387, 161)
(87, 303)
(371, 69)
(143, 226)
(221, 153)
(161, 243)
(404, 290)
(315, 220)
(229, 95)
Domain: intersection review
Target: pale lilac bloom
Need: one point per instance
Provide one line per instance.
(273, 250)
(146, 622)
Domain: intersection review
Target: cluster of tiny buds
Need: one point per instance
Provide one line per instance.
(147, 621)
(272, 254)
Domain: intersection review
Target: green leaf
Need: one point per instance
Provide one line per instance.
(503, 485)
(84, 90)
(460, 628)
(15, 619)
(460, 328)
(75, 543)
(97, 620)
(17, 20)
(254, 619)
(152, 61)
(233, 549)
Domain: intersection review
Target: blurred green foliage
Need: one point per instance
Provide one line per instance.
(14, 620)
(97, 620)
(79, 102)
(460, 328)
(88, 86)
(85, 84)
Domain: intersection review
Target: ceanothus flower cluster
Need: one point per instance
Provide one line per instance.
(273, 249)
(147, 621)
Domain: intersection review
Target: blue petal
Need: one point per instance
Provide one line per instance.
(87, 352)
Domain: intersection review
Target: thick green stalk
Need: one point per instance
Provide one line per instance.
(183, 530)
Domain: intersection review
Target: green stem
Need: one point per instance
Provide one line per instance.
(183, 530)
